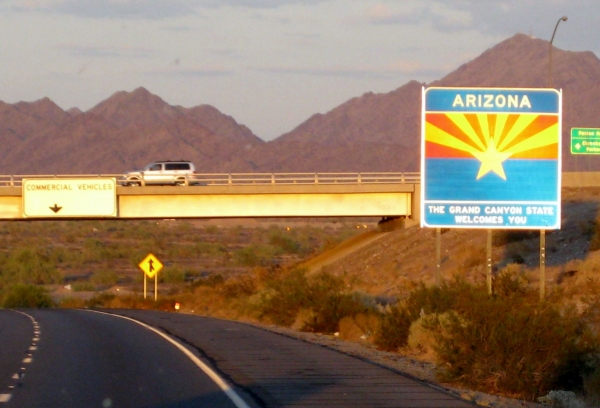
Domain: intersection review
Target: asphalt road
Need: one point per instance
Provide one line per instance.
(87, 359)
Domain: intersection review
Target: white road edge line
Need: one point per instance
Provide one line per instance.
(5, 397)
(239, 402)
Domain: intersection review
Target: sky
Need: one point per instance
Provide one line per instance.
(270, 64)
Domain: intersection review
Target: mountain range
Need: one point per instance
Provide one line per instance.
(371, 132)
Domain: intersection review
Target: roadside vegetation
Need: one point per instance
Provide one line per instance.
(508, 343)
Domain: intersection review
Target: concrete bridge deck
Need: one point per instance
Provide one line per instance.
(231, 195)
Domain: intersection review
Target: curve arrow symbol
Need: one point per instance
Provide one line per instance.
(56, 208)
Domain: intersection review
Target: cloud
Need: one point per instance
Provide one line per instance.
(258, 4)
(511, 16)
(174, 70)
(113, 51)
(144, 9)
(388, 71)
(382, 14)
(127, 9)
(226, 52)
(355, 73)
(433, 13)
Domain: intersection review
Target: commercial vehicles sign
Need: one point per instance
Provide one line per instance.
(491, 158)
(69, 197)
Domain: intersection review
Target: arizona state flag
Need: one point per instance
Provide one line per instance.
(491, 158)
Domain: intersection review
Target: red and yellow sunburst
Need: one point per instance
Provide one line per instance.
(491, 138)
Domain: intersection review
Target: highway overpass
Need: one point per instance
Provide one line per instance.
(393, 195)
(386, 195)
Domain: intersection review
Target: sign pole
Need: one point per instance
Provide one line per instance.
(438, 251)
(144, 286)
(489, 262)
(542, 264)
(156, 287)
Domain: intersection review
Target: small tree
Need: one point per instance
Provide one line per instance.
(26, 296)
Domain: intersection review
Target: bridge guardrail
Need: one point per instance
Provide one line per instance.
(251, 178)
(17, 180)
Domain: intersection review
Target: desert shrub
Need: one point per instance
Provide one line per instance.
(283, 297)
(254, 255)
(172, 275)
(512, 282)
(104, 277)
(474, 258)
(62, 255)
(424, 300)
(394, 329)
(26, 295)
(212, 281)
(83, 287)
(71, 303)
(421, 341)
(323, 298)
(210, 248)
(93, 250)
(181, 251)
(595, 235)
(561, 399)
(591, 385)
(286, 243)
(510, 345)
(238, 287)
(100, 300)
(327, 311)
(505, 237)
(28, 266)
(211, 229)
(435, 299)
(506, 343)
(360, 326)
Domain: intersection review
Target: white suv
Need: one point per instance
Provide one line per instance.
(167, 172)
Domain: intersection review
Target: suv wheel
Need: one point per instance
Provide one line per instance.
(134, 183)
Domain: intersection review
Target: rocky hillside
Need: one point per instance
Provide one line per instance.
(121, 133)
(372, 132)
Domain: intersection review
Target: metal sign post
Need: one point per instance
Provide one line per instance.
(438, 255)
(489, 262)
(542, 264)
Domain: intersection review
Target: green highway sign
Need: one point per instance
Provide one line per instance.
(585, 141)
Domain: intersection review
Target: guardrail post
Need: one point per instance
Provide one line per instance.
(229, 181)
(402, 179)
(272, 178)
(12, 181)
(316, 178)
(359, 178)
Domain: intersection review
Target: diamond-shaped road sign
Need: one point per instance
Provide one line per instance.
(150, 265)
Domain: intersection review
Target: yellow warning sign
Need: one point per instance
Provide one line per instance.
(150, 265)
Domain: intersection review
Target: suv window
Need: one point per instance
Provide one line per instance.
(177, 166)
(155, 167)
